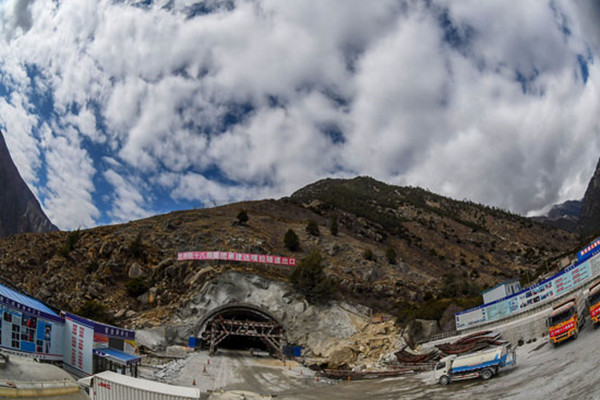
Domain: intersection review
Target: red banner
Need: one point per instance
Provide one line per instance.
(241, 257)
(562, 329)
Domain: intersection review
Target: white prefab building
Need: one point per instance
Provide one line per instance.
(501, 290)
(112, 386)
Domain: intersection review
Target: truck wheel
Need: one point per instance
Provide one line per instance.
(486, 374)
(575, 335)
(444, 379)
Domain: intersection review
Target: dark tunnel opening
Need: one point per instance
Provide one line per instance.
(235, 342)
(244, 328)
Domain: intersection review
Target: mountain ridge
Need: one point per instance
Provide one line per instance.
(20, 211)
(444, 252)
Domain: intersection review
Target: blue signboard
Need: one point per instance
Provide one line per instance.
(589, 250)
(570, 278)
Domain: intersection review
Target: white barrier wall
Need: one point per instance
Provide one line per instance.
(570, 278)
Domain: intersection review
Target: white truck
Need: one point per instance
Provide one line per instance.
(484, 364)
(109, 385)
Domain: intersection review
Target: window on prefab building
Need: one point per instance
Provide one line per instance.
(16, 336)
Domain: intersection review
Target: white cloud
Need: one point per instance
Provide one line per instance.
(470, 99)
(128, 202)
(17, 124)
(70, 189)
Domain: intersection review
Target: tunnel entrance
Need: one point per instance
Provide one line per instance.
(243, 327)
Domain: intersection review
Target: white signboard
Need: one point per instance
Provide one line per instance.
(575, 276)
(79, 343)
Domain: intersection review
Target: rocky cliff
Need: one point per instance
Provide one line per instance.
(20, 211)
(563, 216)
(589, 220)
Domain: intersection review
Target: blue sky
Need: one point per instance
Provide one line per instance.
(118, 110)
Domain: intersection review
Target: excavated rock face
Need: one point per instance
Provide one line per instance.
(333, 332)
(19, 209)
(589, 220)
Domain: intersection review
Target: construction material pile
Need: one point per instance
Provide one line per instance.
(406, 358)
(471, 343)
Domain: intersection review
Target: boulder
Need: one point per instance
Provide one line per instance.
(420, 329)
(154, 338)
(136, 271)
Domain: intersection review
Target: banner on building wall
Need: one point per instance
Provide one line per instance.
(30, 335)
(79, 343)
(589, 250)
(240, 257)
(570, 278)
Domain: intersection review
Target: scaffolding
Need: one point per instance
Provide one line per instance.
(270, 332)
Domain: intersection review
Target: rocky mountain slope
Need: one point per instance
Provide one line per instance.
(563, 216)
(589, 219)
(395, 248)
(19, 209)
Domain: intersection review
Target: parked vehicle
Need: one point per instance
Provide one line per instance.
(483, 364)
(593, 302)
(566, 319)
(109, 385)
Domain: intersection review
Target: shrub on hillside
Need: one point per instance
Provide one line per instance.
(94, 310)
(333, 226)
(312, 228)
(243, 217)
(136, 287)
(390, 255)
(136, 247)
(69, 245)
(369, 255)
(291, 240)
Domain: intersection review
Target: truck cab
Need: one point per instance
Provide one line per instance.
(593, 301)
(442, 371)
(565, 320)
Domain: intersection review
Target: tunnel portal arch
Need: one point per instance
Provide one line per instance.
(242, 320)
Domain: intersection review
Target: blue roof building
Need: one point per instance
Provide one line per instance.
(29, 327)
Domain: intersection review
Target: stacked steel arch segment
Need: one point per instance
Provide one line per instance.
(243, 320)
(270, 332)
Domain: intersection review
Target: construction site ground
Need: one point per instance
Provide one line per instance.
(543, 371)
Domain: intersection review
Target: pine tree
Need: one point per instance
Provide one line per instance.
(243, 217)
(291, 240)
(390, 254)
(309, 279)
(333, 226)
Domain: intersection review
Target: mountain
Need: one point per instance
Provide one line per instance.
(19, 209)
(563, 216)
(401, 250)
(589, 220)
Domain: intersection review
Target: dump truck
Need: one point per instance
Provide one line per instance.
(109, 385)
(566, 319)
(593, 302)
(483, 364)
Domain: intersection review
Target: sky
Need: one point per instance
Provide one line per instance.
(118, 110)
